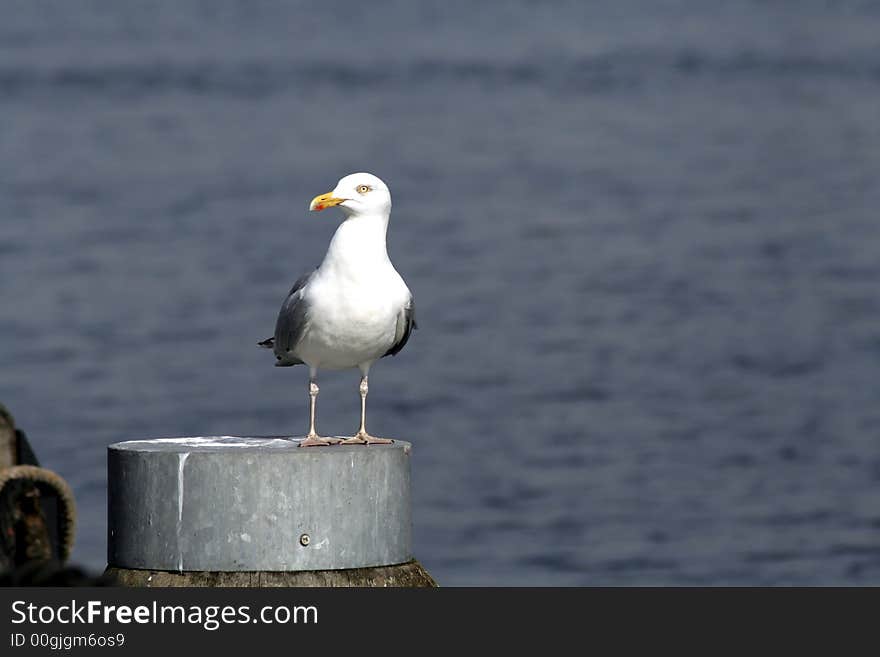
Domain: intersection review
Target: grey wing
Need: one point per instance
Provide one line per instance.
(291, 323)
(406, 324)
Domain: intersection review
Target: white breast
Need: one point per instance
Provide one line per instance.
(351, 320)
(353, 299)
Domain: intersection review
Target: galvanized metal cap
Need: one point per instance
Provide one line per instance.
(257, 503)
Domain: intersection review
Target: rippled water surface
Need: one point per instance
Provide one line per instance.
(643, 241)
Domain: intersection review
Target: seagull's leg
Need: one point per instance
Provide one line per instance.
(313, 439)
(362, 437)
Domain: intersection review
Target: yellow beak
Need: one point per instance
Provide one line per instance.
(324, 201)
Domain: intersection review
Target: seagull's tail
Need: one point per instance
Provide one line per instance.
(268, 343)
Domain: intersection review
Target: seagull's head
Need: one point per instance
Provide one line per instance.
(356, 194)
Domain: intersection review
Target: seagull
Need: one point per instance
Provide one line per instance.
(354, 308)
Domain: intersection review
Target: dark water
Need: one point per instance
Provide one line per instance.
(643, 239)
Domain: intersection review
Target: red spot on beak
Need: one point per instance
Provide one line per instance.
(319, 207)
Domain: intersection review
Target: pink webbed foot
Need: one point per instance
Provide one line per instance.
(314, 440)
(363, 438)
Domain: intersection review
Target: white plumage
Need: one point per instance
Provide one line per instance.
(354, 308)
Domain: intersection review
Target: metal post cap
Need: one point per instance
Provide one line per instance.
(257, 504)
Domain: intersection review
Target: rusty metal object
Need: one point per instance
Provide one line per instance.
(8, 439)
(37, 509)
(28, 494)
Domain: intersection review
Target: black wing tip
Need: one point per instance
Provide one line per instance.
(268, 343)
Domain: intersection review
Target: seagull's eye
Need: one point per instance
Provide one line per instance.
(363, 189)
